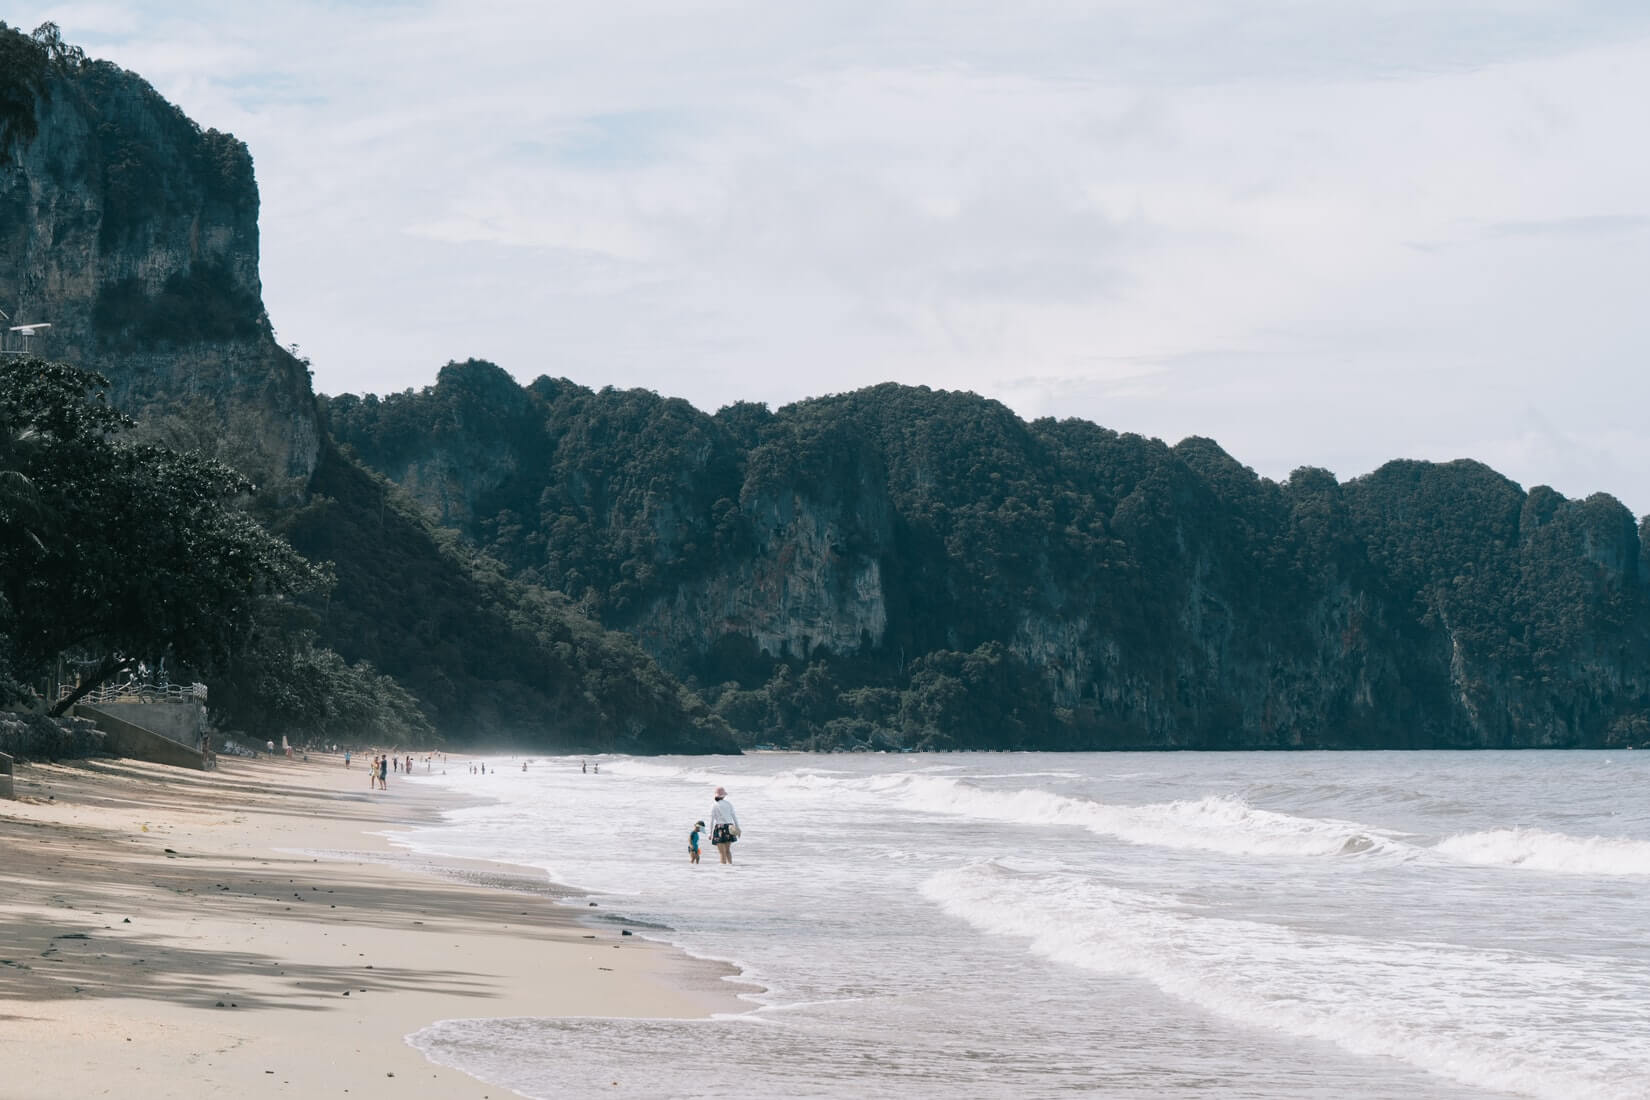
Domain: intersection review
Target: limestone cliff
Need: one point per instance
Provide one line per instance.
(902, 567)
(134, 233)
(799, 590)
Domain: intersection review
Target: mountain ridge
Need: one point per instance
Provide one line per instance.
(1135, 593)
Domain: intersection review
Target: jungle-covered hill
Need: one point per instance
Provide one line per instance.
(900, 567)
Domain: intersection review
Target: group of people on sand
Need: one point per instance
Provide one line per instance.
(378, 773)
(724, 829)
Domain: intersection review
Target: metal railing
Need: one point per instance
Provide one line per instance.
(140, 693)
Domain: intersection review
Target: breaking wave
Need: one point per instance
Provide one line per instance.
(1537, 850)
(1439, 1007)
(1214, 823)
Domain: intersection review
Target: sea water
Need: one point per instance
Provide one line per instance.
(1319, 925)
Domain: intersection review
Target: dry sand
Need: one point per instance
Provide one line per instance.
(159, 937)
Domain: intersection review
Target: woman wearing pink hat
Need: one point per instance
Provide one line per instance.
(724, 825)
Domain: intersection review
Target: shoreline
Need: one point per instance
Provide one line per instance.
(255, 929)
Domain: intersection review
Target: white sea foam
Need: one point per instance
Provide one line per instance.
(1537, 850)
(1243, 929)
(1214, 823)
(1475, 1016)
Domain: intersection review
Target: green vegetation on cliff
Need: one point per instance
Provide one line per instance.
(25, 61)
(23, 64)
(900, 567)
(112, 553)
(200, 305)
(491, 658)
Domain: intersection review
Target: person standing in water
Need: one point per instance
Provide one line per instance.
(693, 842)
(724, 825)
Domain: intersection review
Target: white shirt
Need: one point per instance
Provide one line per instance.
(722, 814)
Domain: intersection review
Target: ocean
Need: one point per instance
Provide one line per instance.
(1277, 925)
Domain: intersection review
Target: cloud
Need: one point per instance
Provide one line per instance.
(1589, 225)
(1322, 234)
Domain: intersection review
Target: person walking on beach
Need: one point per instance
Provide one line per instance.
(383, 773)
(693, 842)
(724, 825)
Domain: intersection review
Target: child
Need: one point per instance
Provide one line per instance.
(693, 842)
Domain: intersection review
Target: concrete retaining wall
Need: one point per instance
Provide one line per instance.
(182, 722)
(124, 738)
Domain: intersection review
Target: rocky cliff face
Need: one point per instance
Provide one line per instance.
(901, 566)
(135, 234)
(798, 591)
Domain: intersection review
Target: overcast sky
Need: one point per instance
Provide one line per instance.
(1322, 233)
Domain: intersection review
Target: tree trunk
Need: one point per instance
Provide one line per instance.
(105, 669)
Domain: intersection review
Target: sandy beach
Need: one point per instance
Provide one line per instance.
(167, 933)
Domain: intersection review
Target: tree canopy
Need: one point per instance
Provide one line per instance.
(127, 551)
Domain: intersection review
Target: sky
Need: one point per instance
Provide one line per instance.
(1322, 233)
